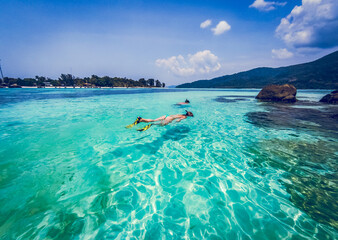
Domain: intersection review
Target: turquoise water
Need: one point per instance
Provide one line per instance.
(239, 169)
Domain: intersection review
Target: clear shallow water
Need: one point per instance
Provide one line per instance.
(70, 170)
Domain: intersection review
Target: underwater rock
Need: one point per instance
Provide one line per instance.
(278, 93)
(231, 99)
(310, 166)
(223, 99)
(310, 174)
(283, 116)
(331, 98)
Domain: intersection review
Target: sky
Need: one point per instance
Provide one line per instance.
(174, 41)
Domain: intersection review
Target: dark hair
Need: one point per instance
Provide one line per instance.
(188, 114)
(187, 101)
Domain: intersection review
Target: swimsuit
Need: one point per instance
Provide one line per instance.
(162, 120)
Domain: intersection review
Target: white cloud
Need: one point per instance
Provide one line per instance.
(282, 53)
(221, 27)
(312, 1)
(264, 6)
(202, 62)
(313, 24)
(206, 23)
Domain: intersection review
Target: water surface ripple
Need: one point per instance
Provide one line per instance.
(70, 170)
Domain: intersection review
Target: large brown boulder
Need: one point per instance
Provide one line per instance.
(330, 98)
(278, 93)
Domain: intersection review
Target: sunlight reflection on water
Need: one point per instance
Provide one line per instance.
(69, 169)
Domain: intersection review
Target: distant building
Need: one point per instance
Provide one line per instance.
(87, 85)
(47, 84)
(14, 86)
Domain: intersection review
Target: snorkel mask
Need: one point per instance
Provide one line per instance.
(188, 114)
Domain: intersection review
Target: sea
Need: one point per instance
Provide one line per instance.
(238, 169)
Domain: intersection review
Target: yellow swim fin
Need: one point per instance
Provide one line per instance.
(145, 128)
(137, 121)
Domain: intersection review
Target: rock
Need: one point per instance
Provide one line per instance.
(278, 93)
(331, 98)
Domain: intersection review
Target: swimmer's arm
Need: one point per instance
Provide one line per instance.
(180, 119)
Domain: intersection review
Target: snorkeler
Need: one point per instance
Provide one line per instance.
(162, 121)
(183, 103)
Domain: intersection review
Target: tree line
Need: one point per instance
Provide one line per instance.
(71, 81)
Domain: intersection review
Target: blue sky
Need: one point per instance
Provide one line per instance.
(165, 40)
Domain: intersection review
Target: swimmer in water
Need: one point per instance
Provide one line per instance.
(162, 121)
(183, 103)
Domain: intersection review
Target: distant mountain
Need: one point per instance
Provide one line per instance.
(319, 74)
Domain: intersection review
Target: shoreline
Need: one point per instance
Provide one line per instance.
(235, 89)
(29, 87)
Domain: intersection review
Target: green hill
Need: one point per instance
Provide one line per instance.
(319, 74)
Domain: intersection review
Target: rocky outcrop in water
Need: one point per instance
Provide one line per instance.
(278, 93)
(310, 166)
(311, 173)
(283, 116)
(232, 99)
(331, 98)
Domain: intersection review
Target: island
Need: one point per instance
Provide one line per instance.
(319, 74)
(68, 80)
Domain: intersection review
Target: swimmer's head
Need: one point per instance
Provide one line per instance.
(187, 101)
(188, 114)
